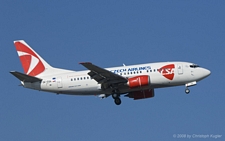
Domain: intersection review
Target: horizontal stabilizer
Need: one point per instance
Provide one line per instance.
(24, 77)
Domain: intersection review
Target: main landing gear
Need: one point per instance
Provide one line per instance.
(116, 98)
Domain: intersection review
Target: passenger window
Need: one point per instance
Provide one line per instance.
(81, 78)
(140, 71)
(71, 79)
(77, 78)
(74, 79)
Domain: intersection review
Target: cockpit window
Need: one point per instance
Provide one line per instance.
(194, 66)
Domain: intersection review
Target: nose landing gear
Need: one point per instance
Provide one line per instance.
(187, 91)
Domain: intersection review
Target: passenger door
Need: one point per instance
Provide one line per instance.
(59, 82)
(180, 69)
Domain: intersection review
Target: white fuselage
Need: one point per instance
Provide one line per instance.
(164, 74)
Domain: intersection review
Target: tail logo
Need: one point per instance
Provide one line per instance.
(167, 71)
(31, 63)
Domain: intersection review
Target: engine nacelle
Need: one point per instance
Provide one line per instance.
(138, 81)
(141, 94)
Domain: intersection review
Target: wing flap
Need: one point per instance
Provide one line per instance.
(24, 77)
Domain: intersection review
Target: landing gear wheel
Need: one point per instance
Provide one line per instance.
(117, 101)
(114, 96)
(187, 91)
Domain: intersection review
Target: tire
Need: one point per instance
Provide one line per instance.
(187, 91)
(117, 101)
(114, 96)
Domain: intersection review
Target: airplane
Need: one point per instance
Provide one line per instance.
(133, 81)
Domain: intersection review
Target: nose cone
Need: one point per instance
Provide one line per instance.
(207, 72)
(201, 73)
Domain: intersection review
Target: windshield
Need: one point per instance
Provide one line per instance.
(194, 66)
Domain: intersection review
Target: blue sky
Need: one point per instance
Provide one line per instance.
(110, 33)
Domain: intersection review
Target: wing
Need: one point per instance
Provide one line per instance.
(103, 76)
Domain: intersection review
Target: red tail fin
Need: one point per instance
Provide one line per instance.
(33, 64)
(31, 61)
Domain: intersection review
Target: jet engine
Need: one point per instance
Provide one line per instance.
(138, 81)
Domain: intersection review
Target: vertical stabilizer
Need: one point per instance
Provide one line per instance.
(32, 63)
